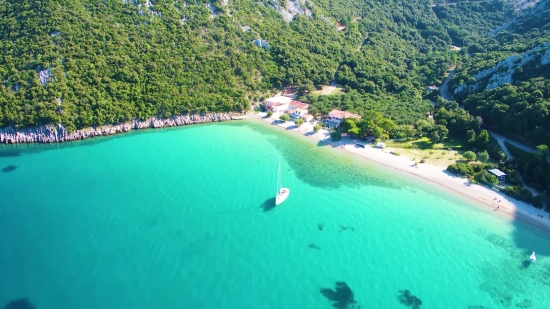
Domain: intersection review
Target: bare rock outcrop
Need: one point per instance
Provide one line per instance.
(57, 134)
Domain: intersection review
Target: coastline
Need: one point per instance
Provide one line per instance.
(481, 196)
(58, 134)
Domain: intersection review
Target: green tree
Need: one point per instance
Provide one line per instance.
(542, 151)
(299, 122)
(486, 177)
(313, 110)
(483, 156)
(434, 137)
(336, 135)
(424, 126)
(471, 137)
(347, 125)
(403, 131)
(269, 114)
(355, 131)
(307, 88)
(284, 117)
(469, 155)
(482, 139)
(316, 128)
(441, 130)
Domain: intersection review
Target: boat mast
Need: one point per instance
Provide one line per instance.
(278, 176)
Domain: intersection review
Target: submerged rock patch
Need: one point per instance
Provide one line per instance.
(408, 299)
(314, 246)
(345, 228)
(9, 168)
(341, 297)
(525, 304)
(22, 303)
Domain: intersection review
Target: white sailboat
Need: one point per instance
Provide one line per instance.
(282, 193)
(533, 257)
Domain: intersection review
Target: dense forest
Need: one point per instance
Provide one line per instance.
(83, 63)
(504, 77)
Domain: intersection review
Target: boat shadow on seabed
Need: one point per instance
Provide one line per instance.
(268, 204)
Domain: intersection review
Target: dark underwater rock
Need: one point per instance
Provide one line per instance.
(9, 168)
(22, 303)
(408, 299)
(341, 297)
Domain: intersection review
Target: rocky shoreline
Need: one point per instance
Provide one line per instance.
(58, 134)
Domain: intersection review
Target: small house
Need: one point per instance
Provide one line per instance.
(297, 109)
(498, 173)
(277, 104)
(335, 117)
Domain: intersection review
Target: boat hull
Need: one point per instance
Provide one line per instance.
(533, 258)
(282, 195)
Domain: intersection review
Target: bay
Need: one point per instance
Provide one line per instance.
(185, 218)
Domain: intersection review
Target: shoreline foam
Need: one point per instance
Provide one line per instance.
(481, 196)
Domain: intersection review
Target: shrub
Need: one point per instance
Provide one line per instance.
(485, 177)
(469, 155)
(269, 114)
(284, 117)
(461, 169)
(494, 150)
(336, 136)
(483, 156)
(316, 128)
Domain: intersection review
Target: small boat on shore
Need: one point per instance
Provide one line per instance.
(282, 193)
(238, 117)
(533, 257)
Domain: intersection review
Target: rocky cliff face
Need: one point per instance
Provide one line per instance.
(57, 134)
(503, 72)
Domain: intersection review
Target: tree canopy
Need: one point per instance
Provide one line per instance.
(82, 62)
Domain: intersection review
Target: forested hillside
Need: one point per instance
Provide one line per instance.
(505, 77)
(84, 62)
(467, 21)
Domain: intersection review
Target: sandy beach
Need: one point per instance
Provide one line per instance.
(504, 206)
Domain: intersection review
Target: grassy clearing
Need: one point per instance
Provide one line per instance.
(441, 154)
(329, 90)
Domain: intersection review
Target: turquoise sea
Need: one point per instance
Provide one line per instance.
(184, 218)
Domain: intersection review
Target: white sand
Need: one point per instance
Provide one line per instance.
(483, 196)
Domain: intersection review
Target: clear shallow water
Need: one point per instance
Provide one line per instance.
(183, 218)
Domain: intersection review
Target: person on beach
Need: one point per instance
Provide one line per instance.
(499, 201)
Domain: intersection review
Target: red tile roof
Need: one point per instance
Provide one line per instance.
(298, 104)
(342, 114)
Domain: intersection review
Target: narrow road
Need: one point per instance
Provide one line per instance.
(445, 94)
(500, 139)
(444, 90)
